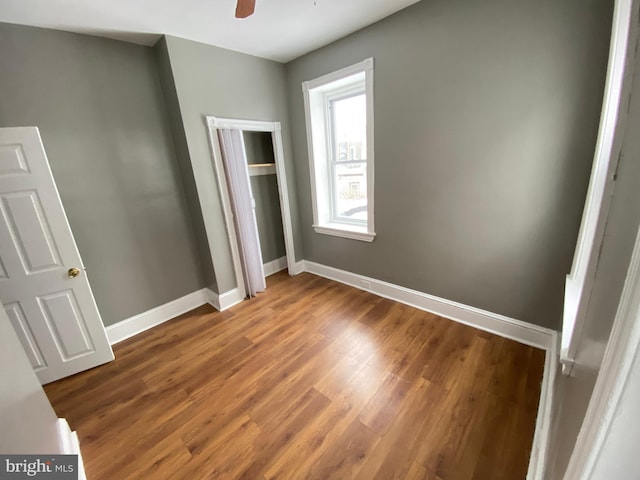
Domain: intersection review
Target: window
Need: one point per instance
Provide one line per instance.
(339, 115)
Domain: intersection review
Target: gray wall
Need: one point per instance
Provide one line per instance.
(622, 226)
(101, 113)
(259, 149)
(28, 424)
(486, 116)
(184, 161)
(214, 81)
(268, 217)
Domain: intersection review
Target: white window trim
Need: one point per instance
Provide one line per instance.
(317, 152)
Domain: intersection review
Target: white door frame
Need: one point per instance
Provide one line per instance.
(215, 123)
(622, 348)
(579, 281)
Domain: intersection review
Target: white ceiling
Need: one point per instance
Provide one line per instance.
(279, 30)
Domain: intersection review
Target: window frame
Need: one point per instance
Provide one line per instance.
(318, 94)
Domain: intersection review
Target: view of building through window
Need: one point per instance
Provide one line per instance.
(349, 159)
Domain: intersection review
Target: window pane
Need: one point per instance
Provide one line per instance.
(350, 128)
(350, 196)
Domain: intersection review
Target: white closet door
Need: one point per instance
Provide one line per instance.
(243, 206)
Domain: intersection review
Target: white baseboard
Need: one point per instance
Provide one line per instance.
(275, 266)
(151, 318)
(146, 320)
(517, 330)
(229, 299)
(70, 445)
(213, 299)
(542, 435)
(298, 267)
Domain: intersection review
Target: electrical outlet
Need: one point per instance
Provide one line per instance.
(366, 284)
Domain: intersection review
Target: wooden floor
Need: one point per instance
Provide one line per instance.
(313, 379)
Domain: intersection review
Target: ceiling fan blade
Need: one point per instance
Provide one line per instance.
(245, 8)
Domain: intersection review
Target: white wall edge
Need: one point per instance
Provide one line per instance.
(230, 298)
(143, 321)
(523, 332)
(542, 434)
(70, 445)
(275, 266)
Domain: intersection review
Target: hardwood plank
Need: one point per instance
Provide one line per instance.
(312, 379)
(451, 444)
(418, 472)
(346, 455)
(396, 451)
(447, 360)
(382, 409)
(500, 457)
(282, 429)
(511, 371)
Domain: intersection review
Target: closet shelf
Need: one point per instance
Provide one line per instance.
(256, 169)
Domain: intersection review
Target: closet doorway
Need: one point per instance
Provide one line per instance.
(248, 155)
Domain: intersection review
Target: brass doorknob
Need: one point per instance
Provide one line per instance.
(73, 272)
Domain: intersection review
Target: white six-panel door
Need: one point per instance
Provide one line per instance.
(43, 284)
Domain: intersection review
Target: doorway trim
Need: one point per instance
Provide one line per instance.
(606, 399)
(216, 123)
(579, 282)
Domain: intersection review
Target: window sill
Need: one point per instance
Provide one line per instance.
(345, 231)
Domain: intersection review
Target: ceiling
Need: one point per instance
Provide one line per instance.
(279, 30)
